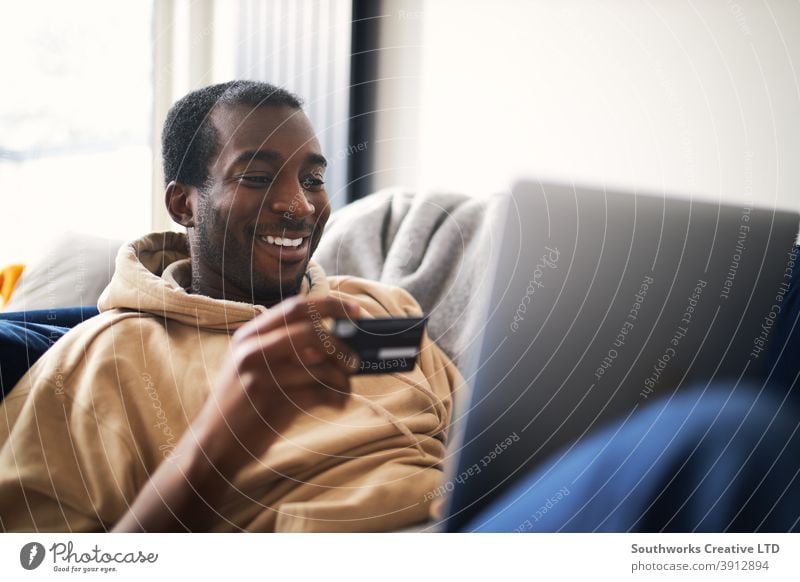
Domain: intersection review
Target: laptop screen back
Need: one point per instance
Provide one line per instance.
(603, 302)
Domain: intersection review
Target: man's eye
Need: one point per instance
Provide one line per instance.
(313, 184)
(258, 180)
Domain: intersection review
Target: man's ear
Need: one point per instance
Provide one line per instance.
(181, 203)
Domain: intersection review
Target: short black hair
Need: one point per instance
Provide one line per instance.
(189, 140)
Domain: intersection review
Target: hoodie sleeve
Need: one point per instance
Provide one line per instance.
(380, 491)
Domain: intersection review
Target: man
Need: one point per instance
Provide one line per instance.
(208, 395)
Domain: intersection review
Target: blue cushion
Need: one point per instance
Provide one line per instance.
(25, 336)
(61, 317)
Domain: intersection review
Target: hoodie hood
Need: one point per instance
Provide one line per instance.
(152, 275)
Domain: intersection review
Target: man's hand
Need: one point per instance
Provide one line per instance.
(281, 364)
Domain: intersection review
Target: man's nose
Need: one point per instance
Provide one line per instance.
(290, 199)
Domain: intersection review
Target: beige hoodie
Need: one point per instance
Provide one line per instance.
(85, 427)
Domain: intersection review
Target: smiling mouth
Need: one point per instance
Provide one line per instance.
(285, 249)
(282, 241)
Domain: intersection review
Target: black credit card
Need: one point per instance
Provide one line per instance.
(383, 345)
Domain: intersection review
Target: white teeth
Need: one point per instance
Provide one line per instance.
(284, 242)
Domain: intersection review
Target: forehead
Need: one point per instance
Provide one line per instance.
(243, 127)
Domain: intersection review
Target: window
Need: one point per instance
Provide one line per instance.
(75, 122)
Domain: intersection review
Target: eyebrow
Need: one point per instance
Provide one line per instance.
(273, 156)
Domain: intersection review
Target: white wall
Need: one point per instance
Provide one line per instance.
(697, 97)
(398, 95)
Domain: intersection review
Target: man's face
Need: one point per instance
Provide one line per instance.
(264, 210)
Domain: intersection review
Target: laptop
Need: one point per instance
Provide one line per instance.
(602, 302)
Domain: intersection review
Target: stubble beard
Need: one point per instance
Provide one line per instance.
(233, 261)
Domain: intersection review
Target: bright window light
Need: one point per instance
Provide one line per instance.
(75, 122)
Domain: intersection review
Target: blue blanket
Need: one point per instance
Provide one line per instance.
(26, 335)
